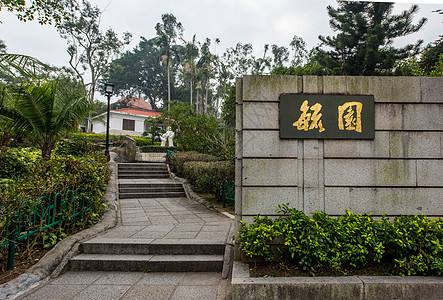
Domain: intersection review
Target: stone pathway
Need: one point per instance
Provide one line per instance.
(133, 285)
(164, 221)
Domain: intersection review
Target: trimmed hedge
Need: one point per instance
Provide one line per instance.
(410, 245)
(178, 160)
(208, 177)
(156, 149)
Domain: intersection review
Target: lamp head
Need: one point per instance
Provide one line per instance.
(109, 88)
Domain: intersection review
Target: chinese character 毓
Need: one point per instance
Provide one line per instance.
(307, 120)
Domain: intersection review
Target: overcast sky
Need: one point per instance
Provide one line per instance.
(248, 21)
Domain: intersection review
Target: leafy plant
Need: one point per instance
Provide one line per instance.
(410, 245)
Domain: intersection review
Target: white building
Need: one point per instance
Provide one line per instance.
(125, 121)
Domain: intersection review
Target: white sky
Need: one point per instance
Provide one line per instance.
(257, 22)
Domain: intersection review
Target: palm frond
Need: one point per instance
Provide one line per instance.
(15, 65)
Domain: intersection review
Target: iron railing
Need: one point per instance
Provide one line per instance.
(39, 216)
(228, 192)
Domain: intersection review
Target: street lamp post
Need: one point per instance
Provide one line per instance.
(109, 90)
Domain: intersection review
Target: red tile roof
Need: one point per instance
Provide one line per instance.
(136, 111)
(133, 102)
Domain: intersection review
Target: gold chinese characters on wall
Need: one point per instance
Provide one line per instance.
(304, 116)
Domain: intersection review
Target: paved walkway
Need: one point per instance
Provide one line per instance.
(175, 220)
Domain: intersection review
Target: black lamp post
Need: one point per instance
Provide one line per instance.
(109, 90)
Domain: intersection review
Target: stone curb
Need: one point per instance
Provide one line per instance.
(349, 287)
(53, 263)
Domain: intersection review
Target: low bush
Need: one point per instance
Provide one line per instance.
(47, 178)
(178, 160)
(142, 141)
(156, 148)
(208, 177)
(410, 245)
(76, 145)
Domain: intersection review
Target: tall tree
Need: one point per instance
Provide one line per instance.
(89, 48)
(168, 31)
(363, 45)
(139, 72)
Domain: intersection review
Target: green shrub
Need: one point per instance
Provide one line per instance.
(57, 175)
(142, 141)
(76, 145)
(16, 162)
(156, 148)
(411, 245)
(178, 159)
(208, 177)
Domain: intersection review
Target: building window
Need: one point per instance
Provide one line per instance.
(128, 124)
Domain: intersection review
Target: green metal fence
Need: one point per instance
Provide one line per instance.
(228, 192)
(37, 217)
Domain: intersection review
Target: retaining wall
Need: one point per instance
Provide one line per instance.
(399, 172)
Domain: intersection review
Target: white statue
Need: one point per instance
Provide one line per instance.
(163, 138)
(168, 135)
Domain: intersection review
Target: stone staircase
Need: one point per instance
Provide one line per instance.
(119, 253)
(142, 171)
(144, 256)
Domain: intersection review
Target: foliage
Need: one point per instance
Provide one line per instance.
(156, 149)
(363, 45)
(139, 72)
(76, 145)
(208, 177)
(142, 141)
(89, 48)
(180, 158)
(229, 108)
(47, 12)
(40, 177)
(12, 66)
(197, 132)
(411, 245)
(44, 111)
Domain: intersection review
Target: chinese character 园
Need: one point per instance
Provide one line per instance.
(352, 118)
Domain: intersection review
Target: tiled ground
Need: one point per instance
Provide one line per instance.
(132, 285)
(157, 220)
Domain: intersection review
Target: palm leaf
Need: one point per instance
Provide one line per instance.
(15, 65)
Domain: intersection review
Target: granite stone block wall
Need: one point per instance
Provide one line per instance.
(399, 172)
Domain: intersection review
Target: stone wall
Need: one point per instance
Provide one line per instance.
(399, 172)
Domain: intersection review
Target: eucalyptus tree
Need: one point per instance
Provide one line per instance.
(89, 48)
(366, 30)
(168, 31)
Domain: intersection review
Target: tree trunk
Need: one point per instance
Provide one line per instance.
(190, 88)
(169, 89)
(46, 149)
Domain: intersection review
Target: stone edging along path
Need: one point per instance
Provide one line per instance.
(52, 264)
(244, 287)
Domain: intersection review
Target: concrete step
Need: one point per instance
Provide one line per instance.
(152, 195)
(153, 189)
(143, 176)
(149, 185)
(147, 263)
(145, 247)
(142, 166)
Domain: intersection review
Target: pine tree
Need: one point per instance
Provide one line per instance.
(364, 43)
